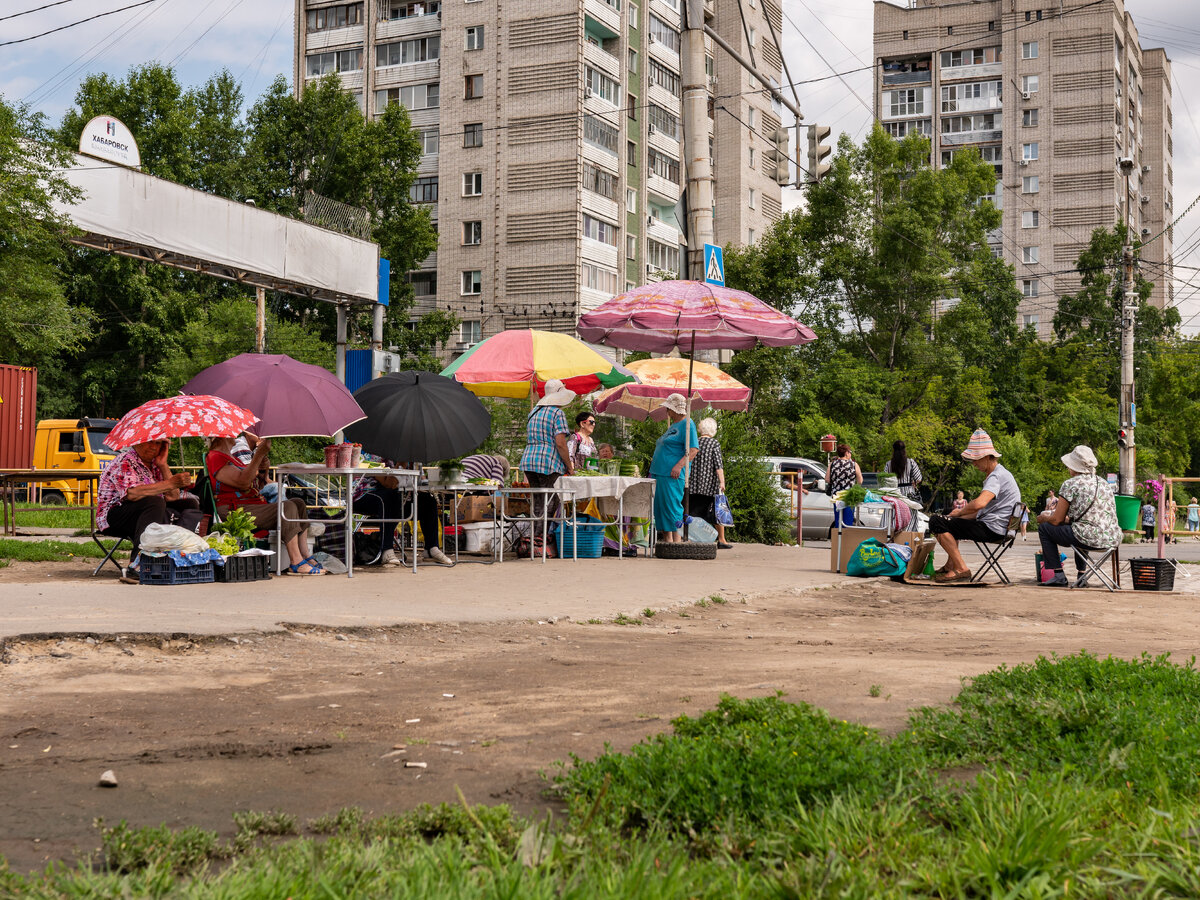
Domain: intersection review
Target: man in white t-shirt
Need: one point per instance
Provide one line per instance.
(984, 519)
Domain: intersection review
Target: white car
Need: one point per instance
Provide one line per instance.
(817, 505)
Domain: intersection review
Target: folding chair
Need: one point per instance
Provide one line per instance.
(110, 551)
(1095, 567)
(993, 550)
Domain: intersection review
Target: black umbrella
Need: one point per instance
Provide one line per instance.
(419, 417)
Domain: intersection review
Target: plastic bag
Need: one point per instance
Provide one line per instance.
(721, 510)
(699, 530)
(161, 538)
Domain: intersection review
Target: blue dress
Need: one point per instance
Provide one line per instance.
(668, 491)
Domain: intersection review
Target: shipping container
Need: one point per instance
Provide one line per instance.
(18, 422)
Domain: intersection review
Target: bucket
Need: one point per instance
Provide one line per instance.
(1128, 509)
(828, 443)
(356, 455)
(331, 454)
(345, 454)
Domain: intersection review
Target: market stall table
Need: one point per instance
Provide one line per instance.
(616, 495)
(10, 479)
(506, 523)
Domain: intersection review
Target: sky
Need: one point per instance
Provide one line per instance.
(253, 39)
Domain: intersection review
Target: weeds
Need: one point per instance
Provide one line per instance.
(717, 599)
(875, 690)
(648, 613)
(49, 551)
(623, 619)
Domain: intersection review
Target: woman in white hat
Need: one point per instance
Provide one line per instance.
(1087, 500)
(668, 467)
(546, 455)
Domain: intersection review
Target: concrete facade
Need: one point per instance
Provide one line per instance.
(553, 142)
(1052, 96)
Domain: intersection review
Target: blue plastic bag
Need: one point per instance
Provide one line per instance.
(874, 558)
(724, 515)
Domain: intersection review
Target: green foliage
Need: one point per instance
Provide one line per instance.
(128, 849)
(49, 551)
(238, 524)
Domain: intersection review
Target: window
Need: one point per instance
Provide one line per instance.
(631, 203)
(1029, 218)
(953, 96)
(429, 141)
(599, 279)
(1029, 151)
(900, 129)
(600, 85)
(1029, 254)
(599, 230)
(470, 331)
(473, 134)
(475, 37)
(1029, 117)
(318, 64)
(979, 56)
(662, 256)
(1029, 287)
(472, 184)
(980, 122)
(1029, 320)
(393, 11)
(414, 96)
(472, 233)
(633, 62)
(602, 182)
(1029, 84)
(663, 33)
(662, 165)
(751, 165)
(631, 246)
(664, 77)
(633, 15)
(1029, 184)
(403, 52)
(906, 34)
(750, 235)
(424, 283)
(472, 282)
(662, 121)
(906, 102)
(630, 153)
(751, 200)
(600, 134)
(949, 29)
(751, 118)
(472, 87)
(992, 25)
(335, 17)
(1029, 50)
(424, 190)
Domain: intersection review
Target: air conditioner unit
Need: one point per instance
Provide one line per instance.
(712, 82)
(650, 129)
(653, 40)
(1026, 95)
(1023, 162)
(1145, 231)
(587, 92)
(1145, 170)
(1145, 198)
(649, 220)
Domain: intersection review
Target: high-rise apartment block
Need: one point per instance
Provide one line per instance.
(553, 144)
(1053, 96)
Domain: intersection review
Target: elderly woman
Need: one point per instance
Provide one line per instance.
(707, 480)
(1087, 500)
(137, 489)
(546, 457)
(668, 467)
(233, 487)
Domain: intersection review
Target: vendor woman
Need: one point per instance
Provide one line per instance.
(668, 468)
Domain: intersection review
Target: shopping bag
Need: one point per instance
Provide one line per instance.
(874, 558)
(721, 507)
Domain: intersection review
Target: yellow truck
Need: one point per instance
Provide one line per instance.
(71, 444)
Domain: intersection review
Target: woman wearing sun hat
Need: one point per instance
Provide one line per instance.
(546, 456)
(668, 467)
(1087, 499)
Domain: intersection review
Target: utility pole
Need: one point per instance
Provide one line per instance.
(260, 320)
(1126, 445)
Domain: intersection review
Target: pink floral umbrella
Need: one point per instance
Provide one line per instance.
(199, 415)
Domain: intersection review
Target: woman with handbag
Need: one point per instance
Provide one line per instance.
(707, 481)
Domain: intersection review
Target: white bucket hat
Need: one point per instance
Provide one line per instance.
(676, 403)
(1081, 459)
(556, 394)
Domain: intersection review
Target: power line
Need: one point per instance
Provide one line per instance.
(111, 12)
(35, 9)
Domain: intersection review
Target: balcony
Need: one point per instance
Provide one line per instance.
(972, 104)
(601, 59)
(603, 14)
(895, 78)
(410, 26)
(334, 37)
(961, 138)
(985, 70)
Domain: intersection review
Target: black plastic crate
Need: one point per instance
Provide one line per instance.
(244, 568)
(162, 570)
(1153, 574)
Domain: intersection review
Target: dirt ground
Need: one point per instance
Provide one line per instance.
(311, 720)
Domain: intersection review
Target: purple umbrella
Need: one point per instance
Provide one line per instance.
(292, 399)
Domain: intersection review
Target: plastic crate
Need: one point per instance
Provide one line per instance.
(243, 568)
(162, 570)
(590, 542)
(1153, 574)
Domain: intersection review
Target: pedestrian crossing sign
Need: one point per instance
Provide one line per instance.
(714, 265)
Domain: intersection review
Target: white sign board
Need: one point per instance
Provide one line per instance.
(107, 138)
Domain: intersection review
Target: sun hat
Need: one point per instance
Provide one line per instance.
(556, 394)
(676, 403)
(1081, 459)
(980, 446)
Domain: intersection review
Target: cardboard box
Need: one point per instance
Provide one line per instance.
(475, 509)
(845, 541)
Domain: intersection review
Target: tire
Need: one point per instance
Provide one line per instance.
(685, 550)
(53, 498)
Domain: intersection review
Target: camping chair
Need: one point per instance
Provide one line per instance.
(993, 550)
(1094, 567)
(110, 552)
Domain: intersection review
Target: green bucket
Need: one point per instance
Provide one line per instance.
(1127, 512)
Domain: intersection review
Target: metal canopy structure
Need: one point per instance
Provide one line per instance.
(133, 214)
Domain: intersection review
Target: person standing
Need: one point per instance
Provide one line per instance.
(672, 453)
(580, 445)
(546, 456)
(907, 472)
(707, 480)
(1148, 516)
(1193, 516)
(843, 473)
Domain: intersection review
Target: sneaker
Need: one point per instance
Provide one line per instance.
(390, 558)
(1059, 580)
(436, 554)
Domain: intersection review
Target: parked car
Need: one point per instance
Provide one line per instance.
(817, 506)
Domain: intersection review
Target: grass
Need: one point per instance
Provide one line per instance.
(49, 551)
(63, 517)
(1071, 777)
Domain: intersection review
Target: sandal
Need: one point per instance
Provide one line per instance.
(306, 567)
(948, 578)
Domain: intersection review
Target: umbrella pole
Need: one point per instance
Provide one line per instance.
(687, 435)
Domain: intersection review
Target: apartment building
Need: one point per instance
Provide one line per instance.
(1052, 96)
(553, 145)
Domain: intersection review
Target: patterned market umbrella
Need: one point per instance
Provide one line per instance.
(183, 416)
(513, 362)
(291, 398)
(659, 378)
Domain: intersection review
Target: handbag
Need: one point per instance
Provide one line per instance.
(721, 510)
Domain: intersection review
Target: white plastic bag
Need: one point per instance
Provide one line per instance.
(163, 538)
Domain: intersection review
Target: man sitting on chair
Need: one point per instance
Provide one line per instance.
(984, 519)
(1087, 499)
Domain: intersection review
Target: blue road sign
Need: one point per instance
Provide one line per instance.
(714, 265)
(385, 281)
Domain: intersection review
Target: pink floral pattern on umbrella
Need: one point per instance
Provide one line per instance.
(199, 415)
(669, 315)
(659, 378)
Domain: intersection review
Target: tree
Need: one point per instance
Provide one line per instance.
(36, 321)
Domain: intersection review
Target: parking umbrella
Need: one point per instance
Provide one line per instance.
(182, 416)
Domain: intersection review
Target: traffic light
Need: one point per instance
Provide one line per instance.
(817, 152)
(783, 161)
(1123, 439)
